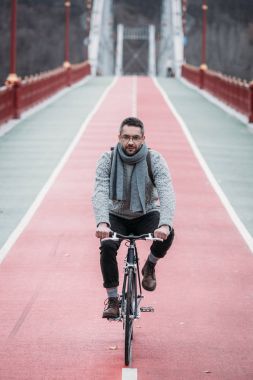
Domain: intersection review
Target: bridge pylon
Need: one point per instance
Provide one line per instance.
(101, 41)
(170, 56)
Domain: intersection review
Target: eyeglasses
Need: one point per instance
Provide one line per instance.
(135, 138)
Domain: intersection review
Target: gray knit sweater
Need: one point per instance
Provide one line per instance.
(160, 198)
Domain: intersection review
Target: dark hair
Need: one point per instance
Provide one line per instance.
(132, 122)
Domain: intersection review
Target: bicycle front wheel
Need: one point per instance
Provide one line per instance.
(130, 309)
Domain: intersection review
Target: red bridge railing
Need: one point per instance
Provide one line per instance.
(6, 104)
(234, 92)
(29, 91)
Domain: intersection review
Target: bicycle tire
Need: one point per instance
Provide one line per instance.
(129, 316)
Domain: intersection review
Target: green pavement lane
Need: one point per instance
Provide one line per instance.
(225, 143)
(33, 148)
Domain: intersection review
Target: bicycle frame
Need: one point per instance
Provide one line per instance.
(131, 295)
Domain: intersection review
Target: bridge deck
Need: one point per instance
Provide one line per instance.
(51, 297)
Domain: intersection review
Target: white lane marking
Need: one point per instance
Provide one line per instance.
(134, 97)
(6, 127)
(27, 217)
(129, 373)
(236, 220)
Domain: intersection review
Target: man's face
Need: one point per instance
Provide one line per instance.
(131, 139)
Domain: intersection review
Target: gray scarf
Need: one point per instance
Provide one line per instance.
(138, 179)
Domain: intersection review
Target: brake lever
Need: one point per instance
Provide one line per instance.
(150, 237)
(113, 237)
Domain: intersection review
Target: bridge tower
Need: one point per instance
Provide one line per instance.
(171, 42)
(101, 40)
(137, 49)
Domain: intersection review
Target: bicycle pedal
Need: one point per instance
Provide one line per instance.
(147, 309)
(118, 319)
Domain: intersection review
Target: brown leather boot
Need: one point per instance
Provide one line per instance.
(149, 279)
(111, 308)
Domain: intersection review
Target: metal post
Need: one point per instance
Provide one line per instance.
(119, 50)
(12, 80)
(12, 77)
(66, 63)
(203, 50)
(151, 51)
(67, 16)
(203, 66)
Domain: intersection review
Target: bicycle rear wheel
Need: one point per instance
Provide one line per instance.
(130, 309)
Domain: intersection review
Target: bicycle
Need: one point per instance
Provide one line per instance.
(131, 295)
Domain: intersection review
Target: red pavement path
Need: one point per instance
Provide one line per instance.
(50, 285)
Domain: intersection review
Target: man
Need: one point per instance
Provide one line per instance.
(127, 200)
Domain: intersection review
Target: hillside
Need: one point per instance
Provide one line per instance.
(229, 36)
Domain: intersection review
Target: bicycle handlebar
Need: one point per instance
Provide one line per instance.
(116, 237)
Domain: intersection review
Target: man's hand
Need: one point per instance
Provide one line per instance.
(162, 232)
(102, 231)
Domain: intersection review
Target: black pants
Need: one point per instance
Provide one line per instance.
(143, 225)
